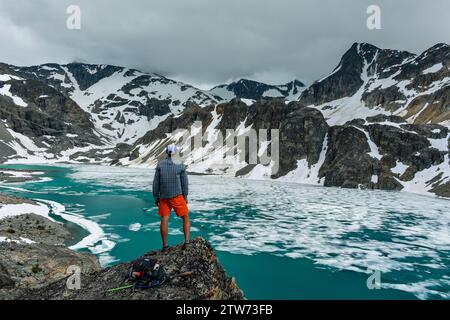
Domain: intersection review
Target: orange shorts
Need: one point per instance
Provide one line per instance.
(178, 204)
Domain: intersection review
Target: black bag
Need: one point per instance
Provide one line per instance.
(146, 273)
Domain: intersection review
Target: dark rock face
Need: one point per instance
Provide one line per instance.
(49, 103)
(7, 199)
(302, 130)
(85, 74)
(385, 118)
(344, 82)
(7, 175)
(250, 89)
(433, 106)
(442, 190)
(432, 131)
(85, 79)
(388, 98)
(302, 134)
(155, 107)
(347, 162)
(409, 148)
(208, 281)
(391, 140)
(121, 150)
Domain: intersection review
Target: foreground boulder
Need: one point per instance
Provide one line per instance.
(208, 280)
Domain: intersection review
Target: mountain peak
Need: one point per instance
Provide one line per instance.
(362, 47)
(438, 48)
(255, 90)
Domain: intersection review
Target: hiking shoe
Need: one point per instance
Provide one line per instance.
(185, 245)
(165, 249)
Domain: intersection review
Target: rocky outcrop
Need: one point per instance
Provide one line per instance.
(33, 254)
(348, 163)
(406, 146)
(35, 228)
(302, 133)
(35, 264)
(352, 162)
(208, 280)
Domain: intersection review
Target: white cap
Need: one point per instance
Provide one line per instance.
(171, 148)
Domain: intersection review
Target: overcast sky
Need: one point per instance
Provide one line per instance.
(205, 42)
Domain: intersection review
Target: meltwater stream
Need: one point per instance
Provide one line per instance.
(279, 240)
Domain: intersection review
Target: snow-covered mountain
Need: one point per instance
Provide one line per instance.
(380, 120)
(41, 124)
(369, 81)
(124, 103)
(254, 90)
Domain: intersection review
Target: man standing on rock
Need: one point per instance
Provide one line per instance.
(170, 190)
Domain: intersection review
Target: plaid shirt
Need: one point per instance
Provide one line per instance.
(170, 179)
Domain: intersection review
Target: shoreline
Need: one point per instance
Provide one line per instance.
(94, 240)
(65, 163)
(32, 248)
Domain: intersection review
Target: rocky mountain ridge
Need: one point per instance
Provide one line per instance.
(254, 90)
(370, 80)
(123, 103)
(379, 152)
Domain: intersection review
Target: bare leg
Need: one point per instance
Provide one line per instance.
(164, 228)
(186, 227)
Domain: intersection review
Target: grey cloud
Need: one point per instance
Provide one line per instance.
(208, 42)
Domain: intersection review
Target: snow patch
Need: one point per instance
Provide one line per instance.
(20, 241)
(399, 168)
(9, 77)
(12, 210)
(437, 67)
(5, 91)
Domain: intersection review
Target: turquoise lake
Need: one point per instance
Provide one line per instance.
(279, 240)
